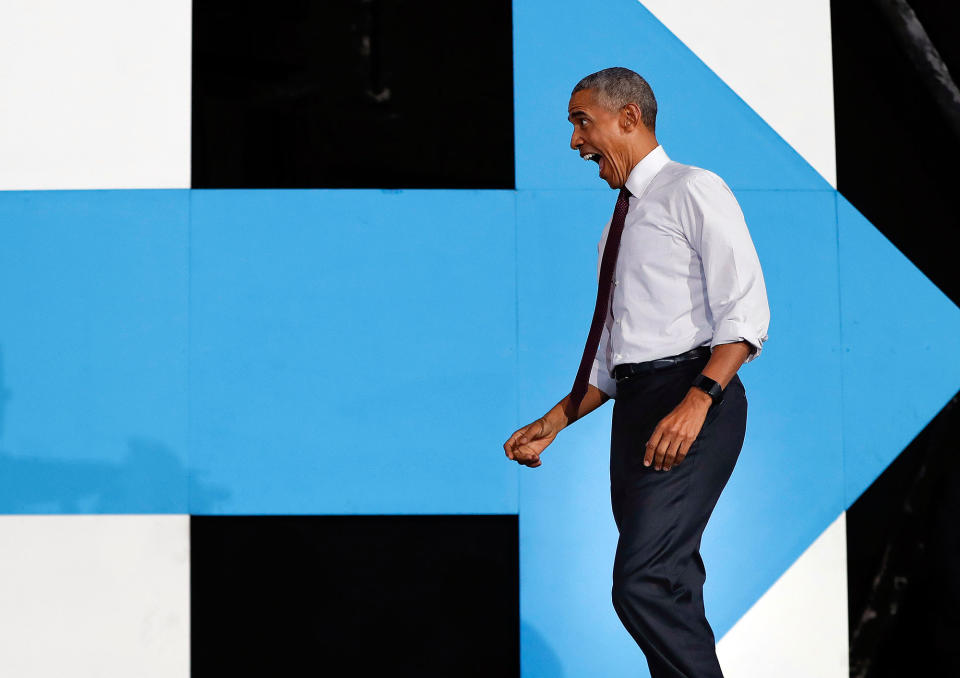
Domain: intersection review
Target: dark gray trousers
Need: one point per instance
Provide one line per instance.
(658, 574)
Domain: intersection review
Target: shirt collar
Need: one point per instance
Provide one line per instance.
(644, 171)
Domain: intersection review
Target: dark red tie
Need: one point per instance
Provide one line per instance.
(604, 290)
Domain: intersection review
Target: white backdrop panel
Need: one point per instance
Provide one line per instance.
(95, 94)
(776, 55)
(95, 595)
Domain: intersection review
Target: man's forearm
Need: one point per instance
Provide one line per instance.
(726, 360)
(724, 363)
(593, 399)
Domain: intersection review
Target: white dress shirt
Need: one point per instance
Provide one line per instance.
(687, 272)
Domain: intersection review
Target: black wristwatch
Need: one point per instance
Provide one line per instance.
(711, 387)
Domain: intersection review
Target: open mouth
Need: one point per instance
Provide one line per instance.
(597, 158)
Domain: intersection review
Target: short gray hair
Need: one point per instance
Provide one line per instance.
(616, 87)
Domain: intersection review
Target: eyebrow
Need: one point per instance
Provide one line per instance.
(576, 114)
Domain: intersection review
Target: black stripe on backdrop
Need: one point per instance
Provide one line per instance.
(897, 150)
(352, 94)
(366, 595)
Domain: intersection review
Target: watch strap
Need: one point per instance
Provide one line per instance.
(711, 387)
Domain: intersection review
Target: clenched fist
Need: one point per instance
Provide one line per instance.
(526, 444)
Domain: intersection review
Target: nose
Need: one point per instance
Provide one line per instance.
(575, 141)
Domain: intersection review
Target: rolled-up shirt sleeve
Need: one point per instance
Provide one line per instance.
(736, 292)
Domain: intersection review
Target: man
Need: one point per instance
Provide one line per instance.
(686, 307)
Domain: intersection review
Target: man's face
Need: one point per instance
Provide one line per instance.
(598, 136)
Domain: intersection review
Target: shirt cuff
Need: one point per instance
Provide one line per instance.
(602, 379)
(730, 332)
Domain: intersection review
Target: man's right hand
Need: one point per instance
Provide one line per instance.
(526, 444)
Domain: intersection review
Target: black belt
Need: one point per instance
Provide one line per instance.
(621, 372)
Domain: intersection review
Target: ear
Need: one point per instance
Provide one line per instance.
(630, 117)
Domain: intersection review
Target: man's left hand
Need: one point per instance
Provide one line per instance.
(677, 431)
